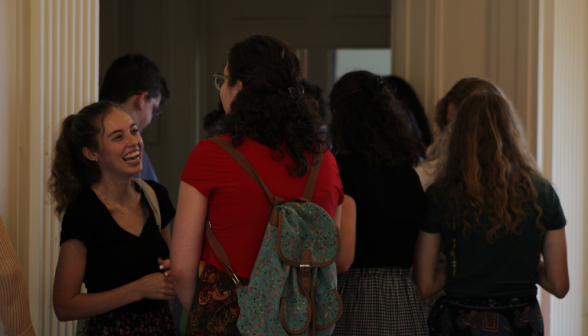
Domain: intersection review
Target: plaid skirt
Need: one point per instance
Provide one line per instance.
(380, 301)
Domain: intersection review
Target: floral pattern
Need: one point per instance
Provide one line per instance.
(307, 226)
(155, 323)
(486, 316)
(274, 302)
(215, 309)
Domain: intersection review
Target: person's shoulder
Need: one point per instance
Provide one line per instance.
(81, 207)
(546, 192)
(541, 184)
(207, 147)
(157, 187)
(436, 191)
(346, 161)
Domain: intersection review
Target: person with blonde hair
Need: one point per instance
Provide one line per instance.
(501, 225)
(445, 113)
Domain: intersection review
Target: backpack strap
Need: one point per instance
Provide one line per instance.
(246, 165)
(221, 254)
(151, 199)
(312, 178)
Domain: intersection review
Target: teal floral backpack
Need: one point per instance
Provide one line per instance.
(293, 287)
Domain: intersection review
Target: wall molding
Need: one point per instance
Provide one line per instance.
(57, 75)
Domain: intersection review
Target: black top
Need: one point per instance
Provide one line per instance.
(116, 257)
(390, 207)
(508, 265)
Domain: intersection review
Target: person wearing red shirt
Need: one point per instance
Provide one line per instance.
(278, 129)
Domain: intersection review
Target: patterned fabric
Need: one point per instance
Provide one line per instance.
(274, 303)
(380, 301)
(154, 323)
(486, 316)
(296, 234)
(215, 309)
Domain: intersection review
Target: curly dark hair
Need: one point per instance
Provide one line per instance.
(70, 169)
(367, 120)
(271, 108)
(213, 121)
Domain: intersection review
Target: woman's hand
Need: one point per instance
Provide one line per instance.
(156, 286)
(164, 265)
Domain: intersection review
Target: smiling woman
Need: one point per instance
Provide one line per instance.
(110, 239)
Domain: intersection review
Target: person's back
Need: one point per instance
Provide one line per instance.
(277, 128)
(238, 207)
(495, 216)
(383, 208)
(390, 206)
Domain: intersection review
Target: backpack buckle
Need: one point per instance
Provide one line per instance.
(235, 279)
(304, 265)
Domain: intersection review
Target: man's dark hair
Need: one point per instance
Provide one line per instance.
(131, 74)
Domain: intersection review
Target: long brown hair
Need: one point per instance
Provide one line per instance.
(367, 120)
(489, 171)
(70, 169)
(271, 108)
(458, 93)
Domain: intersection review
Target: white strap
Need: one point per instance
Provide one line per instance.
(151, 199)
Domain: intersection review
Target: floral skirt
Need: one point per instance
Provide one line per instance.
(215, 309)
(486, 316)
(155, 323)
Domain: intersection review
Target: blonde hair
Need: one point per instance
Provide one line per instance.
(488, 171)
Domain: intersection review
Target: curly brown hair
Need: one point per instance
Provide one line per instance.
(367, 120)
(265, 110)
(70, 169)
(458, 93)
(489, 171)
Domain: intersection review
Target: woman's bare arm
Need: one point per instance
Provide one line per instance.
(553, 270)
(70, 304)
(428, 276)
(348, 228)
(187, 242)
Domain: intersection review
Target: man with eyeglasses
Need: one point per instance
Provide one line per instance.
(136, 83)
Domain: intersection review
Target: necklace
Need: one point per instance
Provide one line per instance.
(102, 198)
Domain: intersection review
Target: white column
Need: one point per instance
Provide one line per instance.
(58, 74)
(562, 140)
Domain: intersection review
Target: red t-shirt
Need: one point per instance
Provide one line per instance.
(238, 207)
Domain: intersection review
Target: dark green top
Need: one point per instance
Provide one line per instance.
(506, 267)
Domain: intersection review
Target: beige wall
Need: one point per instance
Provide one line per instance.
(8, 115)
(48, 69)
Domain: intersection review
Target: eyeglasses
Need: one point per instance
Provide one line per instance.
(219, 80)
(156, 111)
